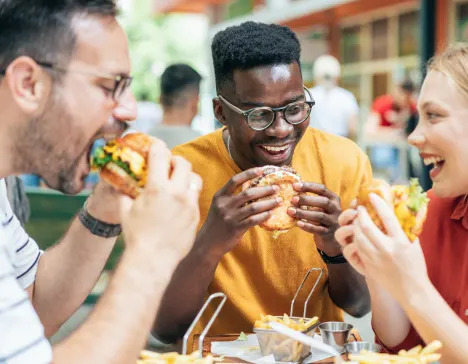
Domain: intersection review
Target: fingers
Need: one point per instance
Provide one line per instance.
(318, 217)
(254, 220)
(387, 215)
(235, 182)
(368, 228)
(253, 194)
(312, 228)
(126, 204)
(316, 188)
(347, 217)
(365, 247)
(258, 207)
(344, 235)
(181, 173)
(328, 205)
(159, 159)
(350, 252)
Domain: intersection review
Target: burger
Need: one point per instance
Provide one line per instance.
(122, 162)
(279, 221)
(409, 204)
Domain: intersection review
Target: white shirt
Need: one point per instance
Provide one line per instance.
(333, 109)
(22, 337)
(23, 250)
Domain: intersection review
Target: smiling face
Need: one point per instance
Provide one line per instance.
(273, 86)
(442, 134)
(56, 142)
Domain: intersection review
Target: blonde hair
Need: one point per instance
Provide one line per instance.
(453, 62)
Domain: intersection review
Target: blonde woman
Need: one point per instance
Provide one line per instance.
(419, 291)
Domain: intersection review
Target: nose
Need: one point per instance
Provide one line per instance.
(280, 128)
(417, 137)
(126, 109)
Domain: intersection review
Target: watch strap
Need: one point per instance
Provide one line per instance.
(337, 259)
(98, 227)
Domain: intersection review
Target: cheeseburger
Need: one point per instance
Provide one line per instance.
(283, 177)
(409, 204)
(122, 162)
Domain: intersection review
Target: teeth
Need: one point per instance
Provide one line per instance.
(275, 149)
(433, 160)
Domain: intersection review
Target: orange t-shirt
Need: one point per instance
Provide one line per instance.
(261, 274)
(444, 241)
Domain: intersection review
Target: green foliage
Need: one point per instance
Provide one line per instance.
(156, 41)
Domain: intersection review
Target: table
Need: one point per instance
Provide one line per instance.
(354, 336)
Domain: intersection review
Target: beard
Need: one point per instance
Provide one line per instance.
(49, 146)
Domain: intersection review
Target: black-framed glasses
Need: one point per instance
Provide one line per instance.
(261, 118)
(121, 82)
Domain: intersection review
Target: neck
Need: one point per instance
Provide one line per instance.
(8, 119)
(176, 116)
(238, 159)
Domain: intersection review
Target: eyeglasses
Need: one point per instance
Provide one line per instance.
(261, 118)
(121, 82)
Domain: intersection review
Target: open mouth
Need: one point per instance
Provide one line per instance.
(437, 165)
(276, 153)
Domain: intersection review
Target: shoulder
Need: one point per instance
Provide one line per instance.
(201, 149)
(332, 146)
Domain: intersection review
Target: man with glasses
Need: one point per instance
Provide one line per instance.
(265, 109)
(64, 83)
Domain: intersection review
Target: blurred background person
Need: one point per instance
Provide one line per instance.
(335, 110)
(180, 95)
(149, 114)
(387, 124)
(390, 113)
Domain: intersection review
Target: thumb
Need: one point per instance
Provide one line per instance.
(126, 204)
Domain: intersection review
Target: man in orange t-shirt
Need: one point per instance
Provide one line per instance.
(265, 109)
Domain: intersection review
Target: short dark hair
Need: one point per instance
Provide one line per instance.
(408, 86)
(250, 45)
(175, 80)
(42, 29)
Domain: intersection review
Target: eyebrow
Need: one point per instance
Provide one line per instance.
(259, 104)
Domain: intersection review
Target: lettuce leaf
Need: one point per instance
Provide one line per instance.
(101, 158)
(416, 196)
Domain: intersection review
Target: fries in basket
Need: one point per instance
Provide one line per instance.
(150, 357)
(417, 355)
(300, 324)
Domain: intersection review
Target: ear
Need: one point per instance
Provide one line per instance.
(218, 111)
(27, 84)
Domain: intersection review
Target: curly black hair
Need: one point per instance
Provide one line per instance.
(250, 45)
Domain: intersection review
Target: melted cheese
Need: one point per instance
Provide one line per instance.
(135, 161)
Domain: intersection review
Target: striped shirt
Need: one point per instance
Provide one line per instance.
(23, 250)
(22, 337)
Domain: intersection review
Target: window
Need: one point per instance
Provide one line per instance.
(379, 39)
(408, 37)
(350, 44)
(462, 22)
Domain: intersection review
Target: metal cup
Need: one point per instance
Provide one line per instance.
(356, 347)
(335, 334)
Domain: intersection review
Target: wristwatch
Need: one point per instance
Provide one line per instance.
(98, 227)
(337, 259)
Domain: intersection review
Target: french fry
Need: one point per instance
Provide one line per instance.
(150, 357)
(293, 323)
(416, 355)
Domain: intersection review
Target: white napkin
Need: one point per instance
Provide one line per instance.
(249, 351)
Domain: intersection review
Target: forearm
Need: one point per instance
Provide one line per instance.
(348, 289)
(136, 281)
(434, 319)
(389, 321)
(67, 273)
(186, 292)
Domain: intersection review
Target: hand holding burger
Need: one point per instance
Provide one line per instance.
(123, 162)
(409, 204)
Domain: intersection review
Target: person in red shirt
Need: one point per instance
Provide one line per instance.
(419, 290)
